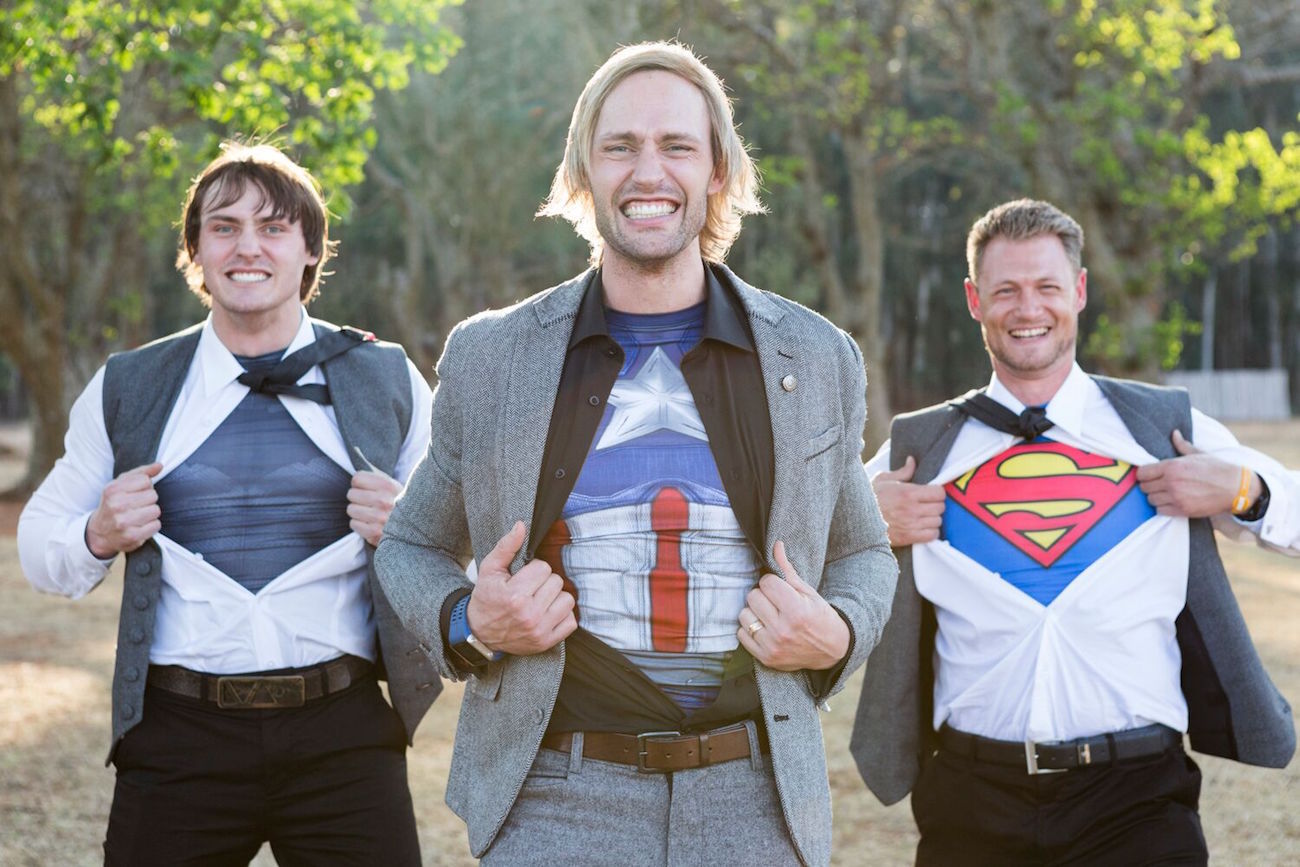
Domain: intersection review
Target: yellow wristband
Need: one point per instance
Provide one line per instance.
(1241, 502)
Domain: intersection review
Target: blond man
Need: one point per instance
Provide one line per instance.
(656, 467)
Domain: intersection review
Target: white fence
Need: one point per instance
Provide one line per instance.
(1236, 395)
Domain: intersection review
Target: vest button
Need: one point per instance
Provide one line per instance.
(137, 636)
(789, 382)
(144, 567)
(131, 675)
(127, 712)
(141, 603)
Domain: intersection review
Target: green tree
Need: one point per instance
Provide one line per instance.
(1098, 105)
(105, 105)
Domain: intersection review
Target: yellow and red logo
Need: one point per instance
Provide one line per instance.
(1043, 497)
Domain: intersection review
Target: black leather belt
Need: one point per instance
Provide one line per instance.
(292, 688)
(660, 752)
(1053, 756)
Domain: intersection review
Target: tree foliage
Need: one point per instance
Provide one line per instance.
(106, 104)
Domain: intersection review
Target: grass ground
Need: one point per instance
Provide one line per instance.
(56, 660)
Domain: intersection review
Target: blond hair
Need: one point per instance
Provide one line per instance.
(570, 195)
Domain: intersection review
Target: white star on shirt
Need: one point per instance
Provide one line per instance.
(657, 398)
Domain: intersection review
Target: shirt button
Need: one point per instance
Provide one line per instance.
(137, 636)
(611, 352)
(127, 712)
(559, 474)
(141, 603)
(131, 675)
(594, 400)
(144, 567)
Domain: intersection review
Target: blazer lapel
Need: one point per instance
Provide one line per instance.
(536, 363)
(778, 358)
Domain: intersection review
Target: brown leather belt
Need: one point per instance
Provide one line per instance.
(1052, 756)
(660, 752)
(293, 688)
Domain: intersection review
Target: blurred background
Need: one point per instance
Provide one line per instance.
(1169, 128)
(883, 128)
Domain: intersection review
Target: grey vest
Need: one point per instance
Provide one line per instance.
(1234, 710)
(371, 395)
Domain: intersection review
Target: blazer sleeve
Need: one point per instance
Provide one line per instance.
(420, 559)
(860, 571)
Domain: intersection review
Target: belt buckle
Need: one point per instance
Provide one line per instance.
(641, 751)
(252, 693)
(1031, 761)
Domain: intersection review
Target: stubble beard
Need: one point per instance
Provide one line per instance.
(650, 254)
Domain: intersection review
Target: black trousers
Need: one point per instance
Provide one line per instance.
(324, 784)
(1137, 812)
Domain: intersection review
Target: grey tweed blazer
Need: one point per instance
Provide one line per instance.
(498, 378)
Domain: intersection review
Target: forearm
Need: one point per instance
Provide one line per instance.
(51, 530)
(419, 560)
(1279, 528)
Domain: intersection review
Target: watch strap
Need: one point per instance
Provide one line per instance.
(461, 641)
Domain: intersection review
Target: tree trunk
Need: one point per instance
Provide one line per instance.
(869, 279)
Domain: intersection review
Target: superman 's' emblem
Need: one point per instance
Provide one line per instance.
(1044, 496)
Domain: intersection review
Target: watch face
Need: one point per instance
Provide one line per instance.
(479, 649)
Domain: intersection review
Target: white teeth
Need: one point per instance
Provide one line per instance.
(1029, 332)
(248, 276)
(641, 210)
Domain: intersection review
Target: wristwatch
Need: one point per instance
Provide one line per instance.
(467, 649)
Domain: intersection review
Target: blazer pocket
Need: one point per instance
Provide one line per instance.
(824, 441)
(487, 684)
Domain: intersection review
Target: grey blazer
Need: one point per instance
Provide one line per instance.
(498, 378)
(1234, 710)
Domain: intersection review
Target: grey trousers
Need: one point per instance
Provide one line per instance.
(574, 811)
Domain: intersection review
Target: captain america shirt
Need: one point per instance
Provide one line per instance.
(648, 542)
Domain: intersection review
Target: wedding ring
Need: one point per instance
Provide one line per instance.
(755, 626)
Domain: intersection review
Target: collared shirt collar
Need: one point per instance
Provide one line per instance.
(1067, 406)
(220, 367)
(724, 317)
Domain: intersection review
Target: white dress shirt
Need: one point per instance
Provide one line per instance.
(1103, 655)
(316, 610)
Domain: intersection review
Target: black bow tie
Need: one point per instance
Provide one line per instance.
(1030, 424)
(283, 377)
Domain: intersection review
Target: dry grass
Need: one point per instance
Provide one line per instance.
(56, 660)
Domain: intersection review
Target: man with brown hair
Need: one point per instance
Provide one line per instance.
(1062, 615)
(246, 467)
(657, 468)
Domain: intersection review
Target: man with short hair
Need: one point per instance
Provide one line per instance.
(1061, 607)
(657, 468)
(246, 467)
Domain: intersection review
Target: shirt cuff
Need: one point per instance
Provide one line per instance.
(822, 680)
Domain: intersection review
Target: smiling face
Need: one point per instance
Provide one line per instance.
(1027, 303)
(652, 171)
(252, 261)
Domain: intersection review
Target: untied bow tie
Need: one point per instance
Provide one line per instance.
(1030, 424)
(283, 378)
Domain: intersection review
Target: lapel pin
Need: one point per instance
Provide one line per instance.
(789, 383)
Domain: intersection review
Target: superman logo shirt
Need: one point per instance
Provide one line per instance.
(1041, 512)
(1055, 584)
